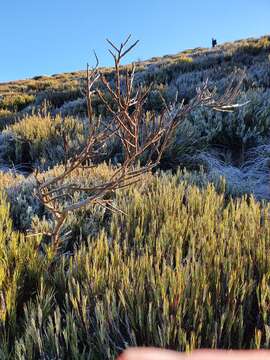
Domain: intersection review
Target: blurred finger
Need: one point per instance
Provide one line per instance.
(150, 354)
(160, 354)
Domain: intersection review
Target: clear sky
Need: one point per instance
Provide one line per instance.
(41, 37)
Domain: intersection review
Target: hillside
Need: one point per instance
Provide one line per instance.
(232, 145)
(185, 261)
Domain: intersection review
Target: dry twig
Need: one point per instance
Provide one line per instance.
(128, 122)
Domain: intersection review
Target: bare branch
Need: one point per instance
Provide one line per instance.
(138, 134)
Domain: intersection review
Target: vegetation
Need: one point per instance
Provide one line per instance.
(183, 261)
(185, 273)
(37, 139)
(16, 102)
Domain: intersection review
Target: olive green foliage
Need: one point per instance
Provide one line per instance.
(6, 118)
(184, 268)
(21, 268)
(255, 47)
(38, 139)
(16, 102)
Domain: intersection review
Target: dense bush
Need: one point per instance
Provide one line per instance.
(184, 268)
(16, 102)
(255, 47)
(58, 97)
(20, 273)
(38, 140)
(28, 213)
(239, 130)
(6, 118)
(74, 107)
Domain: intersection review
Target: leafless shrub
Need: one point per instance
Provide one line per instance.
(137, 136)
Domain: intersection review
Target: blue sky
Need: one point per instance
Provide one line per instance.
(52, 36)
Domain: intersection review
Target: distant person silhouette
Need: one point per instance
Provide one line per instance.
(214, 42)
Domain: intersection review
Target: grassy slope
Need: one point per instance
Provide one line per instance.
(187, 267)
(235, 146)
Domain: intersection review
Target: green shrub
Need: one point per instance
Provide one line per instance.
(187, 143)
(6, 118)
(38, 140)
(237, 131)
(28, 213)
(184, 268)
(20, 273)
(4, 114)
(8, 179)
(16, 102)
(40, 83)
(254, 47)
(58, 97)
